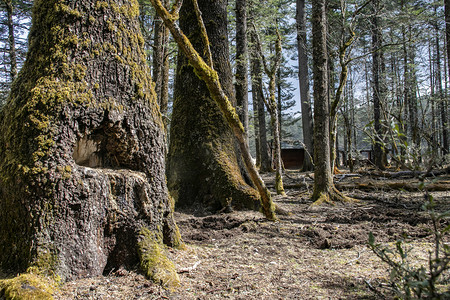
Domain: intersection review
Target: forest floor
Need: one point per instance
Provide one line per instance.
(310, 253)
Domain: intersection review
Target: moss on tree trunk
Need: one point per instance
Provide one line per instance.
(82, 170)
(203, 159)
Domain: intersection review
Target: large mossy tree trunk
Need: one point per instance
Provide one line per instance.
(83, 188)
(203, 159)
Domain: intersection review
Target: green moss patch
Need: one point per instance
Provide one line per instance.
(27, 286)
(154, 261)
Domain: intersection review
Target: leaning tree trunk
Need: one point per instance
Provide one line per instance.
(82, 187)
(203, 163)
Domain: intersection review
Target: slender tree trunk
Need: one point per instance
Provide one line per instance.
(275, 122)
(447, 29)
(442, 106)
(272, 107)
(280, 103)
(83, 187)
(324, 190)
(376, 96)
(165, 70)
(158, 55)
(432, 139)
(241, 85)
(256, 127)
(303, 76)
(258, 97)
(11, 40)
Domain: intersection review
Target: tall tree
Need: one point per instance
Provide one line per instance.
(258, 106)
(442, 99)
(203, 162)
(205, 70)
(324, 189)
(11, 39)
(242, 62)
(14, 24)
(82, 187)
(378, 147)
(272, 105)
(303, 76)
(161, 61)
(447, 29)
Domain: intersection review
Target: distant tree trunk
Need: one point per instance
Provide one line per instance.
(303, 76)
(324, 190)
(276, 132)
(165, 70)
(272, 106)
(83, 187)
(432, 143)
(258, 95)
(279, 103)
(158, 55)
(11, 40)
(442, 100)
(241, 85)
(256, 127)
(203, 161)
(376, 70)
(447, 30)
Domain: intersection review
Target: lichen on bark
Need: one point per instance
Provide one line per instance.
(203, 161)
(72, 217)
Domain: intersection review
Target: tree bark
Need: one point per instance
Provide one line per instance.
(82, 187)
(324, 190)
(376, 96)
(442, 100)
(203, 162)
(11, 40)
(272, 106)
(241, 85)
(258, 97)
(303, 76)
(206, 72)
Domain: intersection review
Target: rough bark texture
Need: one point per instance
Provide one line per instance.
(203, 162)
(242, 62)
(82, 187)
(305, 99)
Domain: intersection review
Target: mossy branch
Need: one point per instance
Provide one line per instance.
(211, 79)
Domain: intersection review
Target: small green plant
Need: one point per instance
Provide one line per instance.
(425, 281)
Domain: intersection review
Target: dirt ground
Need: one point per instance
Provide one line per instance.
(310, 253)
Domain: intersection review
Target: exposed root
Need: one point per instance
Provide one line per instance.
(331, 197)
